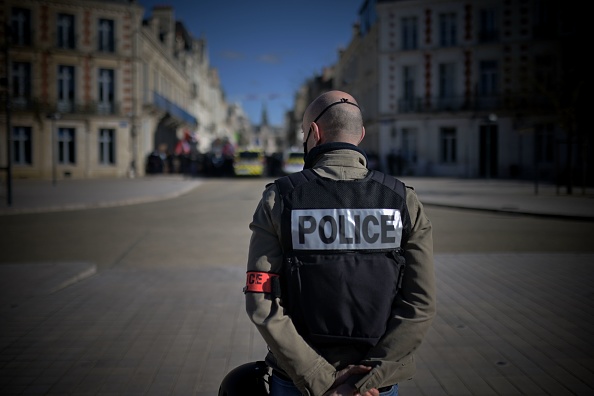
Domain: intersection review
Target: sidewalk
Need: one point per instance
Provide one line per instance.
(37, 196)
(516, 197)
(509, 196)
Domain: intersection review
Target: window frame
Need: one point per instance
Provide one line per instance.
(66, 97)
(70, 40)
(107, 148)
(22, 148)
(66, 147)
(106, 44)
(448, 141)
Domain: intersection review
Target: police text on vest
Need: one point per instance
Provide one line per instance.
(346, 229)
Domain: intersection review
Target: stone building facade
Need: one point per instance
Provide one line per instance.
(488, 88)
(94, 88)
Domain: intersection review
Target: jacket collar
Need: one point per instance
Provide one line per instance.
(314, 155)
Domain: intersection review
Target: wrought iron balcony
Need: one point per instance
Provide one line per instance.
(21, 104)
(532, 102)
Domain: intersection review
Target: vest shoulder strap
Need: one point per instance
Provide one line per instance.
(288, 183)
(390, 182)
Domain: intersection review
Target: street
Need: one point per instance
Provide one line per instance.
(164, 314)
(209, 227)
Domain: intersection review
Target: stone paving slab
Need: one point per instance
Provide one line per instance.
(22, 281)
(507, 324)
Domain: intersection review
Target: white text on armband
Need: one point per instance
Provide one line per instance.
(342, 229)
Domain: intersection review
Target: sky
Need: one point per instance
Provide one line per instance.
(265, 50)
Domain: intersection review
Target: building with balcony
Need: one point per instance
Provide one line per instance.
(93, 88)
(477, 89)
(488, 88)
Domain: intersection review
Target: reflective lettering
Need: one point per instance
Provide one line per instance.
(346, 229)
(342, 226)
(387, 224)
(322, 229)
(366, 229)
(306, 230)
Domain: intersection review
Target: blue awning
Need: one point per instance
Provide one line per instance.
(174, 110)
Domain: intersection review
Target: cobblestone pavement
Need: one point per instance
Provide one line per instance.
(507, 324)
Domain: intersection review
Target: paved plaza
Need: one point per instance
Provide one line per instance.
(507, 323)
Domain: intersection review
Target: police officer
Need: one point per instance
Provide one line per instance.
(340, 280)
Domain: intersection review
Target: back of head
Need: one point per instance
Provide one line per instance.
(342, 122)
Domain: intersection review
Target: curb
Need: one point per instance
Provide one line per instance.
(99, 205)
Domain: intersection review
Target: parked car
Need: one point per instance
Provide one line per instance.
(292, 161)
(249, 163)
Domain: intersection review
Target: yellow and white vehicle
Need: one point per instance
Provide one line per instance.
(249, 163)
(292, 161)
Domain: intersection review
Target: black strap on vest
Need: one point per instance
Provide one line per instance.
(390, 182)
(288, 183)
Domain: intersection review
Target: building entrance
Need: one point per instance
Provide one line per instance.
(488, 151)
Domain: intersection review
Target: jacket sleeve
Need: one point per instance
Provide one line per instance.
(310, 372)
(412, 312)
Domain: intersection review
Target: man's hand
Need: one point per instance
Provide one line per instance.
(339, 388)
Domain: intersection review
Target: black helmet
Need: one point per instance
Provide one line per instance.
(245, 379)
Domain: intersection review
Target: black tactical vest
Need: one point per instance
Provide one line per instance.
(343, 257)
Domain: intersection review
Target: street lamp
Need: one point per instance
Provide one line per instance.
(54, 117)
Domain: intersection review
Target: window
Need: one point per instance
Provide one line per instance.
(408, 85)
(447, 30)
(20, 23)
(447, 81)
(409, 145)
(107, 146)
(488, 78)
(65, 88)
(66, 146)
(106, 35)
(448, 145)
(21, 145)
(488, 26)
(21, 83)
(66, 31)
(409, 33)
(106, 90)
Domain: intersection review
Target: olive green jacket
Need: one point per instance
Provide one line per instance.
(313, 370)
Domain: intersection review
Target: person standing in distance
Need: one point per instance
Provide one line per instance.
(340, 278)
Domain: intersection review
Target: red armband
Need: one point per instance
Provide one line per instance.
(259, 282)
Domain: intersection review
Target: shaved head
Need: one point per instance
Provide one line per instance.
(342, 122)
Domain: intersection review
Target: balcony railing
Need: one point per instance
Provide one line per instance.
(480, 103)
(65, 107)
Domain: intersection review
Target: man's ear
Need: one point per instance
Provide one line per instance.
(362, 134)
(316, 132)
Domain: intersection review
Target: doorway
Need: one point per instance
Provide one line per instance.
(488, 151)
